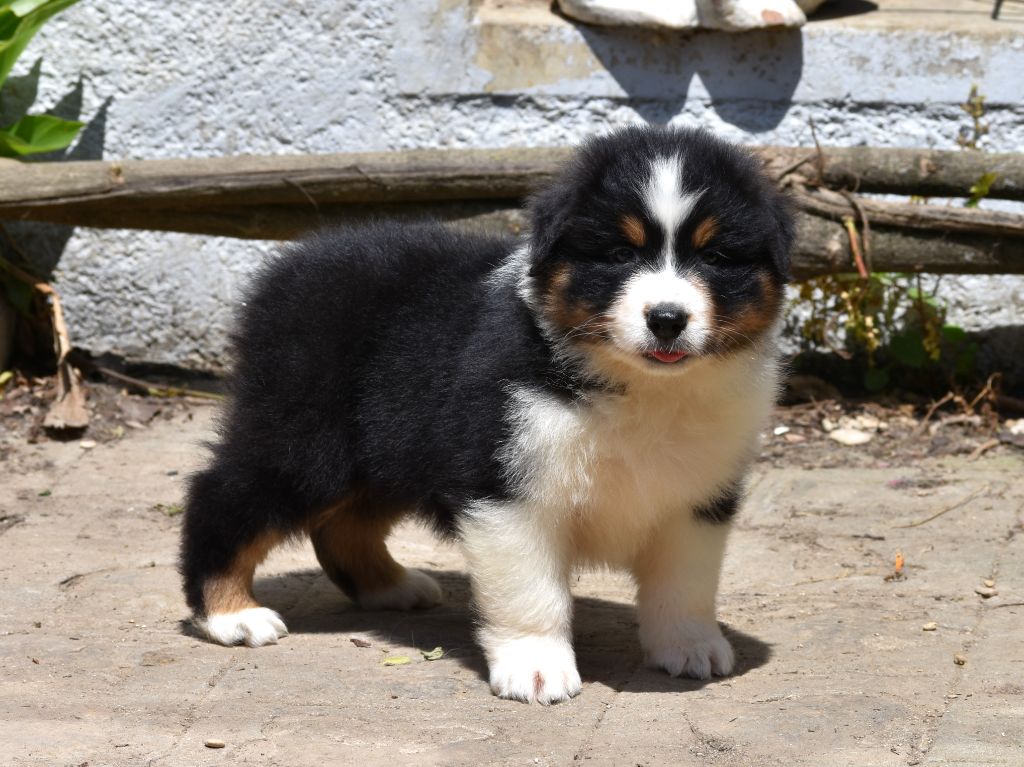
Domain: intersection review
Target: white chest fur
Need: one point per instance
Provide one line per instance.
(609, 469)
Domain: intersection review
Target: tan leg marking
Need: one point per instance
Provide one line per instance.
(231, 591)
(351, 549)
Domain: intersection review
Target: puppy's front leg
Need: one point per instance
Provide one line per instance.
(677, 577)
(520, 575)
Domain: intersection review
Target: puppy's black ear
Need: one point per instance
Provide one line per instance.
(549, 213)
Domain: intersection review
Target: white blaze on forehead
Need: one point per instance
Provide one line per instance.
(666, 202)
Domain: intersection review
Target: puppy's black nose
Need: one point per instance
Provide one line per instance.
(666, 321)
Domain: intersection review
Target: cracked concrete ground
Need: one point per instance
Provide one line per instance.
(834, 665)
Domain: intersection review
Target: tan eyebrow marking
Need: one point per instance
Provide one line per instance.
(633, 228)
(705, 230)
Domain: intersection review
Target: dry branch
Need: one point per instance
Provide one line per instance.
(924, 172)
(943, 218)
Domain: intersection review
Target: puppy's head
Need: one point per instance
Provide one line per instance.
(658, 246)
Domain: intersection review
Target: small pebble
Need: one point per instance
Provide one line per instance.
(959, 659)
(989, 582)
(930, 626)
(850, 436)
(985, 592)
(87, 444)
(214, 743)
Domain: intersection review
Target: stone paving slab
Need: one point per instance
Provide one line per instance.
(834, 667)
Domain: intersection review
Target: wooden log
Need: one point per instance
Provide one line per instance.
(823, 247)
(281, 197)
(42, 191)
(298, 180)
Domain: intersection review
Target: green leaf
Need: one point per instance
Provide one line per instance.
(876, 379)
(953, 334)
(35, 134)
(980, 189)
(436, 654)
(19, 22)
(908, 349)
(25, 7)
(397, 660)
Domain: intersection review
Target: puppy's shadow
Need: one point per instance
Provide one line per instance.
(605, 632)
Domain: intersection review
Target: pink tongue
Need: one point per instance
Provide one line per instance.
(668, 356)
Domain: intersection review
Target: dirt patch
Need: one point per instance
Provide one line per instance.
(113, 410)
(878, 435)
(824, 431)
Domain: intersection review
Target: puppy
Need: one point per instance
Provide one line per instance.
(589, 396)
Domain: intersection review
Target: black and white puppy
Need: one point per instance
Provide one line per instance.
(589, 396)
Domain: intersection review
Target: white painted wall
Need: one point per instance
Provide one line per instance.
(166, 79)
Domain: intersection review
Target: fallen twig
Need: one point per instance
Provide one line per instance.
(982, 448)
(962, 502)
(156, 391)
(841, 576)
(988, 390)
(917, 432)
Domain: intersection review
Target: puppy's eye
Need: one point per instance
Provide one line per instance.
(622, 255)
(715, 257)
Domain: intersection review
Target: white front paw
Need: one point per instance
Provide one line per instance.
(533, 668)
(255, 626)
(689, 647)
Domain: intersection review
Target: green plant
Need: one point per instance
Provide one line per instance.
(970, 137)
(32, 134)
(893, 322)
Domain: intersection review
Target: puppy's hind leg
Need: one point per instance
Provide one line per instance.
(229, 528)
(349, 541)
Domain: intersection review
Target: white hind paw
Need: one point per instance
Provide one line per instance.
(254, 626)
(416, 589)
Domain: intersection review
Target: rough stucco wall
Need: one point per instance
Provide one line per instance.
(184, 79)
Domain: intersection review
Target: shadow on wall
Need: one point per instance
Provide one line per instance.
(749, 78)
(42, 243)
